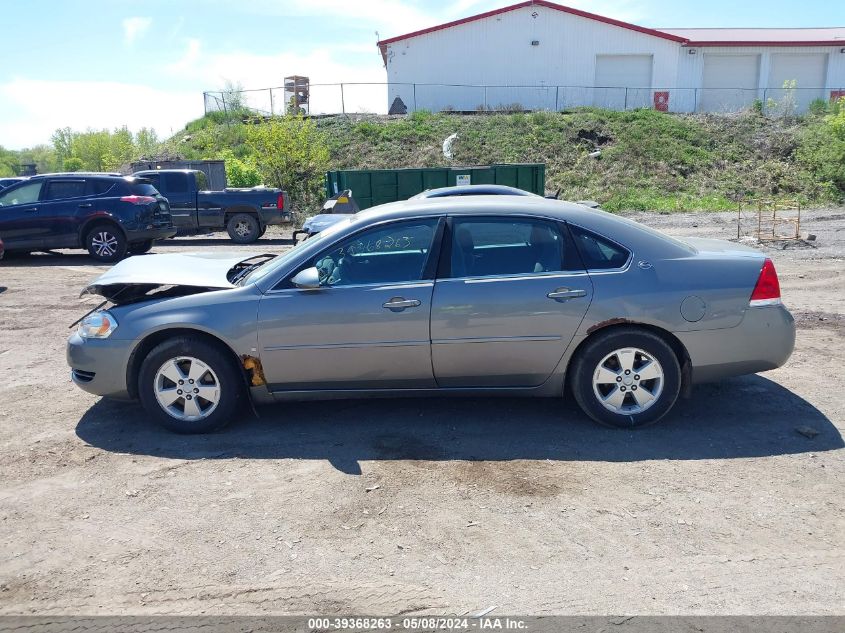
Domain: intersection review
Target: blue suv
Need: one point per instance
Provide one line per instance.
(108, 214)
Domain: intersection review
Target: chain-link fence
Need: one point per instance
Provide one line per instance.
(400, 98)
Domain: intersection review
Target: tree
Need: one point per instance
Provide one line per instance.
(9, 163)
(291, 153)
(72, 164)
(240, 173)
(147, 143)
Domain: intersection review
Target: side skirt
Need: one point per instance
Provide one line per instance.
(543, 391)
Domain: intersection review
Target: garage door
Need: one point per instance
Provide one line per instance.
(615, 73)
(730, 82)
(808, 70)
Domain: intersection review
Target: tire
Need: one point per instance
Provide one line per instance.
(190, 359)
(105, 243)
(263, 231)
(606, 384)
(243, 228)
(139, 248)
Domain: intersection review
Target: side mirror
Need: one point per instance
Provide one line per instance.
(308, 279)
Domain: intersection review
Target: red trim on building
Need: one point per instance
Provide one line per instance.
(530, 3)
(598, 18)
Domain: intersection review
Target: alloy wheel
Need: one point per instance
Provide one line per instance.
(104, 244)
(628, 381)
(187, 388)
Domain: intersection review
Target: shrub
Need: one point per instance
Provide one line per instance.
(72, 164)
(292, 154)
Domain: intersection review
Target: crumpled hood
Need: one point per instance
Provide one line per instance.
(317, 223)
(196, 270)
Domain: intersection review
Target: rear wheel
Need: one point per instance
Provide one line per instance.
(243, 228)
(190, 386)
(139, 248)
(105, 243)
(626, 378)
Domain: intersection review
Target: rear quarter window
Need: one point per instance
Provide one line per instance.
(597, 252)
(99, 186)
(142, 189)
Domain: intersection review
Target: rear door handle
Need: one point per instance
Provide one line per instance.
(85, 205)
(397, 304)
(565, 294)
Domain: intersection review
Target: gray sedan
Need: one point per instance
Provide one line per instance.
(476, 296)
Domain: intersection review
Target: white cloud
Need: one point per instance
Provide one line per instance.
(188, 61)
(134, 28)
(31, 109)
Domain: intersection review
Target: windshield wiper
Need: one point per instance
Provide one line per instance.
(244, 272)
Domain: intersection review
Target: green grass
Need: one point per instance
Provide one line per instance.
(649, 160)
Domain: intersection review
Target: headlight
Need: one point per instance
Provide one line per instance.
(97, 325)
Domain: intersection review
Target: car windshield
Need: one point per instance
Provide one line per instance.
(272, 266)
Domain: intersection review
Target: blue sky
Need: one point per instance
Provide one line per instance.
(104, 63)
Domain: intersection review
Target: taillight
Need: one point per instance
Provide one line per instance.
(138, 199)
(280, 201)
(767, 290)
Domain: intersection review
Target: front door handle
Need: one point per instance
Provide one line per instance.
(565, 294)
(32, 210)
(397, 304)
(85, 205)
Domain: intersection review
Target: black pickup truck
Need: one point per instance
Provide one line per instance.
(244, 213)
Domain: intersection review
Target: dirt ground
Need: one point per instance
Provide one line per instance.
(426, 506)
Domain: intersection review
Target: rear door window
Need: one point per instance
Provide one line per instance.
(202, 181)
(483, 247)
(25, 194)
(63, 189)
(175, 182)
(155, 179)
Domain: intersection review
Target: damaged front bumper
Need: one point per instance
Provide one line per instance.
(98, 366)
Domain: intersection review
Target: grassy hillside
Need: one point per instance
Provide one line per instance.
(649, 160)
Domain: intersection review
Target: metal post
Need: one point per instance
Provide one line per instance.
(557, 98)
(485, 98)
(272, 112)
(695, 105)
(342, 100)
(626, 99)
(415, 97)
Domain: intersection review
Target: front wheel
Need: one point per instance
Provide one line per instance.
(105, 243)
(626, 378)
(243, 228)
(190, 386)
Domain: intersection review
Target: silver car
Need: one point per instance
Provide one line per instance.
(447, 296)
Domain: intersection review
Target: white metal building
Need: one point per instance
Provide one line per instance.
(541, 55)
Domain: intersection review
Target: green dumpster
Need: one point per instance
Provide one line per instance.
(371, 187)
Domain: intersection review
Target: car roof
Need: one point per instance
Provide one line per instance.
(474, 190)
(158, 171)
(602, 222)
(78, 174)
